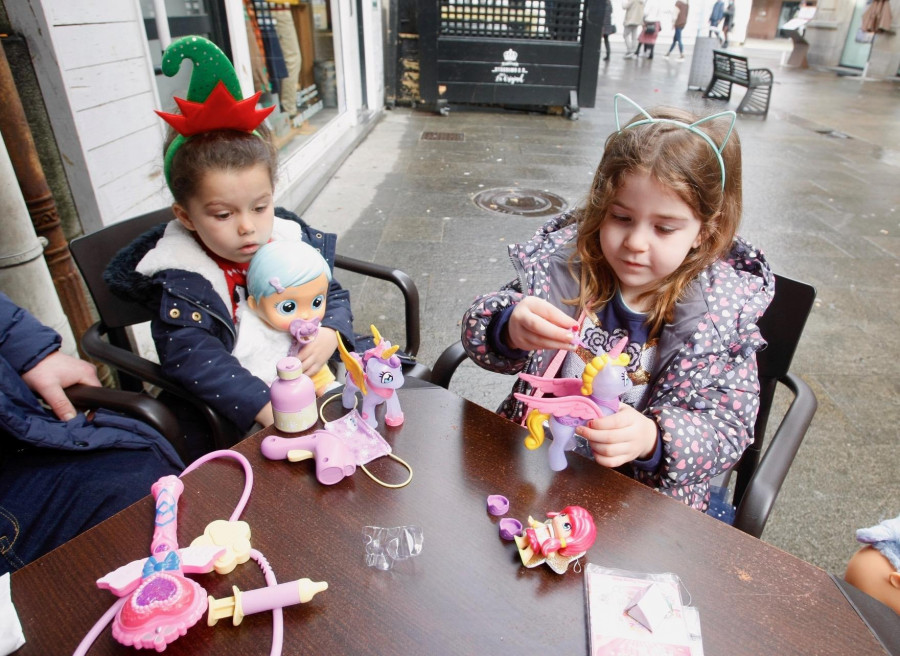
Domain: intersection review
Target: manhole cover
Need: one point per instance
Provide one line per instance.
(524, 202)
(443, 136)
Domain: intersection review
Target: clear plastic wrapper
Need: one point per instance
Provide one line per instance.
(385, 546)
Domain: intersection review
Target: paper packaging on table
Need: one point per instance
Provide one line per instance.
(649, 607)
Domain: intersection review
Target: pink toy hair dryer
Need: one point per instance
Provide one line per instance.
(334, 461)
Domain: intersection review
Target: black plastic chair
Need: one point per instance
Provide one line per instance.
(108, 341)
(759, 479)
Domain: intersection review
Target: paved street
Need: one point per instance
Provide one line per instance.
(821, 200)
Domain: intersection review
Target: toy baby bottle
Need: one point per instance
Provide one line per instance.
(293, 397)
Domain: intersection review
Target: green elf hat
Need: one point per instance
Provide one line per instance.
(214, 101)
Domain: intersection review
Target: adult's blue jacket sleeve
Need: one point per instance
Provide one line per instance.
(24, 341)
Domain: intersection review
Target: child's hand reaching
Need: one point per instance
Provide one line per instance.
(621, 437)
(536, 324)
(315, 354)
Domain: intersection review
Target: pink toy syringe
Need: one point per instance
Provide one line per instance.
(262, 599)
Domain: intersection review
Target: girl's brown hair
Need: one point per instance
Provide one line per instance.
(683, 162)
(218, 150)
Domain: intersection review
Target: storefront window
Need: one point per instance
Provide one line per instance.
(291, 54)
(292, 57)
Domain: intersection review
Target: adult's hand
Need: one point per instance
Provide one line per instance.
(52, 375)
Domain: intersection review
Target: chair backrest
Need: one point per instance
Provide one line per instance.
(729, 64)
(781, 326)
(92, 254)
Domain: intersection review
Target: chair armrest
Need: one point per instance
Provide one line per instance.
(402, 280)
(753, 512)
(762, 74)
(447, 364)
(134, 404)
(224, 433)
(124, 360)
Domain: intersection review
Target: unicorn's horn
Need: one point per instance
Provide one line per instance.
(616, 350)
(375, 334)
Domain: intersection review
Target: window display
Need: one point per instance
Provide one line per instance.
(282, 39)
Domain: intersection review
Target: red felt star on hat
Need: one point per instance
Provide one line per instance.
(220, 112)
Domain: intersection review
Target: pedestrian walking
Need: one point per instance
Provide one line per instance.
(681, 6)
(634, 19)
(715, 17)
(650, 30)
(727, 22)
(608, 27)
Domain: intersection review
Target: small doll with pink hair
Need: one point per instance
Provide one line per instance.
(566, 536)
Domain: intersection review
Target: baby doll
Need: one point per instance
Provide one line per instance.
(286, 287)
(875, 569)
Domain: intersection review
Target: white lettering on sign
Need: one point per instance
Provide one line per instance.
(510, 71)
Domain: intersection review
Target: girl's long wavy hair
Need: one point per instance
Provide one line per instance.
(683, 162)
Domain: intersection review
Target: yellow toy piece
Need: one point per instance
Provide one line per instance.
(234, 536)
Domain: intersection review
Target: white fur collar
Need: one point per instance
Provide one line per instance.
(258, 346)
(177, 249)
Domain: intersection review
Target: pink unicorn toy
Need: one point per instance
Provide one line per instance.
(575, 401)
(377, 375)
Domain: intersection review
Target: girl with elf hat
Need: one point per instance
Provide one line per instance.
(220, 166)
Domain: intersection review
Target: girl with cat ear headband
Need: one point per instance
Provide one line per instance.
(653, 255)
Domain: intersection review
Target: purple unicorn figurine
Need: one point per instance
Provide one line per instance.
(377, 375)
(575, 401)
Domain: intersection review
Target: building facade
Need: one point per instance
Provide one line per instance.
(834, 35)
(97, 65)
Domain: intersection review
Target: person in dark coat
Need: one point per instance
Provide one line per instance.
(221, 166)
(60, 472)
(608, 27)
(168, 271)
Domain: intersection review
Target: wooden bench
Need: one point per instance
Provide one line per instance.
(731, 69)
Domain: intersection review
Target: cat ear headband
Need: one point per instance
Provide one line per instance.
(215, 100)
(692, 127)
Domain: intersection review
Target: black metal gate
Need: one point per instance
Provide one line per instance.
(517, 53)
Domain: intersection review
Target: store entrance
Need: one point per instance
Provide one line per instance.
(182, 18)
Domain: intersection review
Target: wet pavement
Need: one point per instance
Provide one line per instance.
(822, 200)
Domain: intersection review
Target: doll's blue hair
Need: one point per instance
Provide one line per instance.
(282, 264)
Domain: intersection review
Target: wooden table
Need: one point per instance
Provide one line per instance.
(466, 593)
